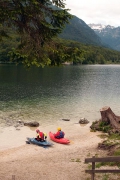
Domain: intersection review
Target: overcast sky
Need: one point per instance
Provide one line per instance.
(106, 12)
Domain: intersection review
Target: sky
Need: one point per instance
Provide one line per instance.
(106, 12)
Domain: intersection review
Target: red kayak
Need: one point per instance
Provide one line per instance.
(61, 140)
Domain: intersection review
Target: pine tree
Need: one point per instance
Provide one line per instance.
(36, 22)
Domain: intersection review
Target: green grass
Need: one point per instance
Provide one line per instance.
(103, 136)
(75, 160)
(88, 155)
(104, 126)
(98, 165)
(115, 136)
(105, 177)
(117, 152)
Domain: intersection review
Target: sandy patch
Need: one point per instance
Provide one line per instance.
(21, 161)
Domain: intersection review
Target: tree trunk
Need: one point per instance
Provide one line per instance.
(107, 115)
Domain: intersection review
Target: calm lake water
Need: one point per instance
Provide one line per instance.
(54, 93)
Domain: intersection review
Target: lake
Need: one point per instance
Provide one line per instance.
(54, 93)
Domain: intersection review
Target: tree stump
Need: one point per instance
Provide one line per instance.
(108, 116)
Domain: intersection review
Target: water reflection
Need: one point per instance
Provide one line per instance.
(50, 94)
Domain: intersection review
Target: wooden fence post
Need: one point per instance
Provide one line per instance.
(94, 159)
(93, 168)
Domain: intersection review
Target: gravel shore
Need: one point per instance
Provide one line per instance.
(21, 161)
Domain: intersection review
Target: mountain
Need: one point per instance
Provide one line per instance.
(79, 31)
(98, 27)
(109, 35)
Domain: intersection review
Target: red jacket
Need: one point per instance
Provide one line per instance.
(59, 134)
(40, 136)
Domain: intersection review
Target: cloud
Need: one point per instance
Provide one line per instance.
(92, 11)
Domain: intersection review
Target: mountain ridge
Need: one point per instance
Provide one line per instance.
(109, 34)
(79, 31)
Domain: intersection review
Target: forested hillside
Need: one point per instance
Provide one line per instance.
(65, 50)
(78, 30)
(89, 54)
(32, 38)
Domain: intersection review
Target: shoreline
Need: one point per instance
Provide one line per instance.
(28, 161)
(11, 137)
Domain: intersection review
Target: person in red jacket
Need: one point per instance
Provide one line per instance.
(40, 135)
(59, 134)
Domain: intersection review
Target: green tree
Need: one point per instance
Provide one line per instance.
(36, 22)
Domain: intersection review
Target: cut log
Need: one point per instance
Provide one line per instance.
(108, 116)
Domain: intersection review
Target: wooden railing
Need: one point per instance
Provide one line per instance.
(94, 159)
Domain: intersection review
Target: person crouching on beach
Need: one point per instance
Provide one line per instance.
(40, 135)
(59, 134)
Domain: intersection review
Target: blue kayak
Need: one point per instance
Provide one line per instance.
(39, 143)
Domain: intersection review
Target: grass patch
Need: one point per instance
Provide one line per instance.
(114, 136)
(98, 165)
(117, 152)
(75, 160)
(111, 142)
(105, 177)
(88, 155)
(104, 126)
(103, 136)
(89, 166)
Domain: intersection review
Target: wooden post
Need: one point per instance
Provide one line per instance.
(102, 159)
(93, 168)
